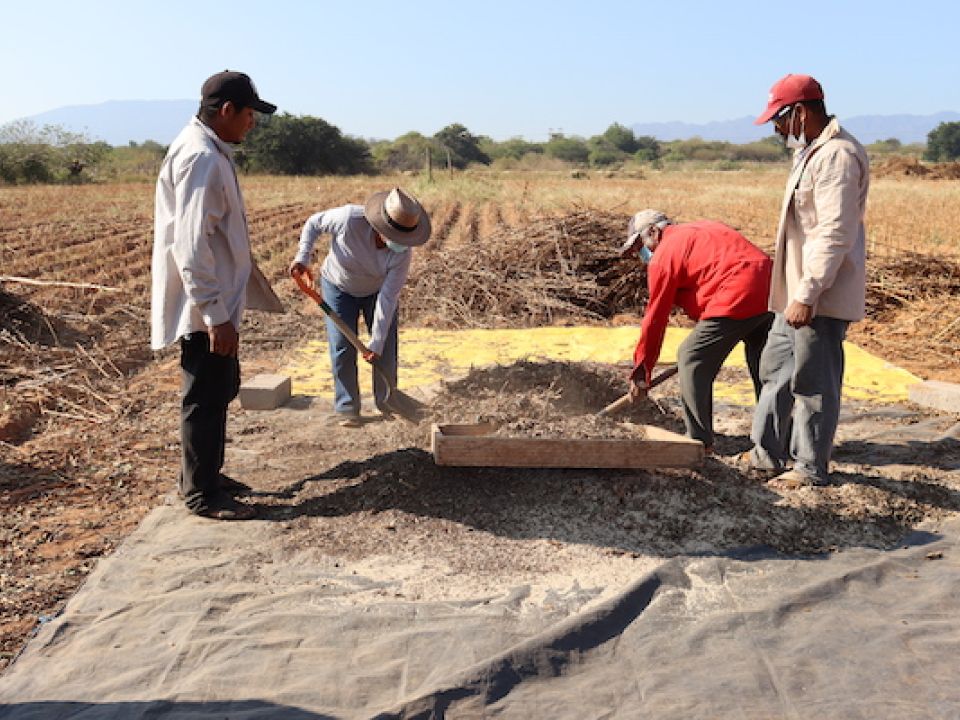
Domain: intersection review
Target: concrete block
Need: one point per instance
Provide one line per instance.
(265, 392)
(936, 394)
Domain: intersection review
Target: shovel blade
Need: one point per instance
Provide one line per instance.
(399, 403)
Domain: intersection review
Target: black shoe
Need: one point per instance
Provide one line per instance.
(226, 508)
(233, 487)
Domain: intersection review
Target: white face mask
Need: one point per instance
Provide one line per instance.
(395, 246)
(793, 142)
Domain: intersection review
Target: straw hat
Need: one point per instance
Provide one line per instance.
(397, 216)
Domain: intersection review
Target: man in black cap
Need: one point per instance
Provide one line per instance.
(201, 265)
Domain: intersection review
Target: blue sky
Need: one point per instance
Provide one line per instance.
(504, 69)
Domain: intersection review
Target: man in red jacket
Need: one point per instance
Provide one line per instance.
(718, 278)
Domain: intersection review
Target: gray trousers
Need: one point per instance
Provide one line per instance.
(700, 357)
(799, 406)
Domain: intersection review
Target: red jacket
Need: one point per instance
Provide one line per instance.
(707, 269)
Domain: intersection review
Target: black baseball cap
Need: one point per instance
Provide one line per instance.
(237, 87)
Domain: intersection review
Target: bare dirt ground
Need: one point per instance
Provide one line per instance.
(95, 446)
(366, 494)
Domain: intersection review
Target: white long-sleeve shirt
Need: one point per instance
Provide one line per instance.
(201, 246)
(356, 265)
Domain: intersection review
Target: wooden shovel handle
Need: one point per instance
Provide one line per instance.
(624, 400)
(616, 406)
(308, 289)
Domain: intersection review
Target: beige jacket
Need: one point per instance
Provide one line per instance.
(820, 257)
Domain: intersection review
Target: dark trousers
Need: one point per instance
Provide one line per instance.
(702, 354)
(210, 382)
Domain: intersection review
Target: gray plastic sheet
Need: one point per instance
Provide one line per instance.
(176, 625)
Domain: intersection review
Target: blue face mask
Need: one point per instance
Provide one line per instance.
(395, 246)
(645, 254)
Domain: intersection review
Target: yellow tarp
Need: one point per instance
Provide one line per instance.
(426, 356)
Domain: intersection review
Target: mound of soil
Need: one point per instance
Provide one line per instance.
(899, 166)
(545, 399)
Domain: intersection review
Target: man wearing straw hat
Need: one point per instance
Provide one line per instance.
(363, 273)
(721, 280)
(818, 286)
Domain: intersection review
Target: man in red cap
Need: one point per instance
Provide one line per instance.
(818, 286)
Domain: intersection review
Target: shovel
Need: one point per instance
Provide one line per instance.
(396, 402)
(624, 401)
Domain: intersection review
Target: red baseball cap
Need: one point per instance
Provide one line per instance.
(788, 90)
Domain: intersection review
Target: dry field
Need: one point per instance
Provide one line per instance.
(87, 436)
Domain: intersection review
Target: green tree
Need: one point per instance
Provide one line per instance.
(302, 145)
(134, 160)
(407, 152)
(769, 149)
(943, 142)
(514, 148)
(32, 154)
(698, 149)
(568, 149)
(464, 148)
(604, 152)
(621, 138)
(648, 149)
(604, 155)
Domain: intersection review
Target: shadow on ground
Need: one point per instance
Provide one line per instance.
(715, 509)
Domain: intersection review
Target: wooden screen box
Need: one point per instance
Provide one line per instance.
(476, 445)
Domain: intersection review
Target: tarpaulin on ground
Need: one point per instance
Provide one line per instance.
(200, 620)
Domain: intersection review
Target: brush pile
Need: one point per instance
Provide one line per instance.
(899, 166)
(913, 305)
(565, 269)
(65, 360)
(551, 270)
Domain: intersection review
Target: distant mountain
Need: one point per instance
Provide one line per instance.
(867, 128)
(119, 121)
